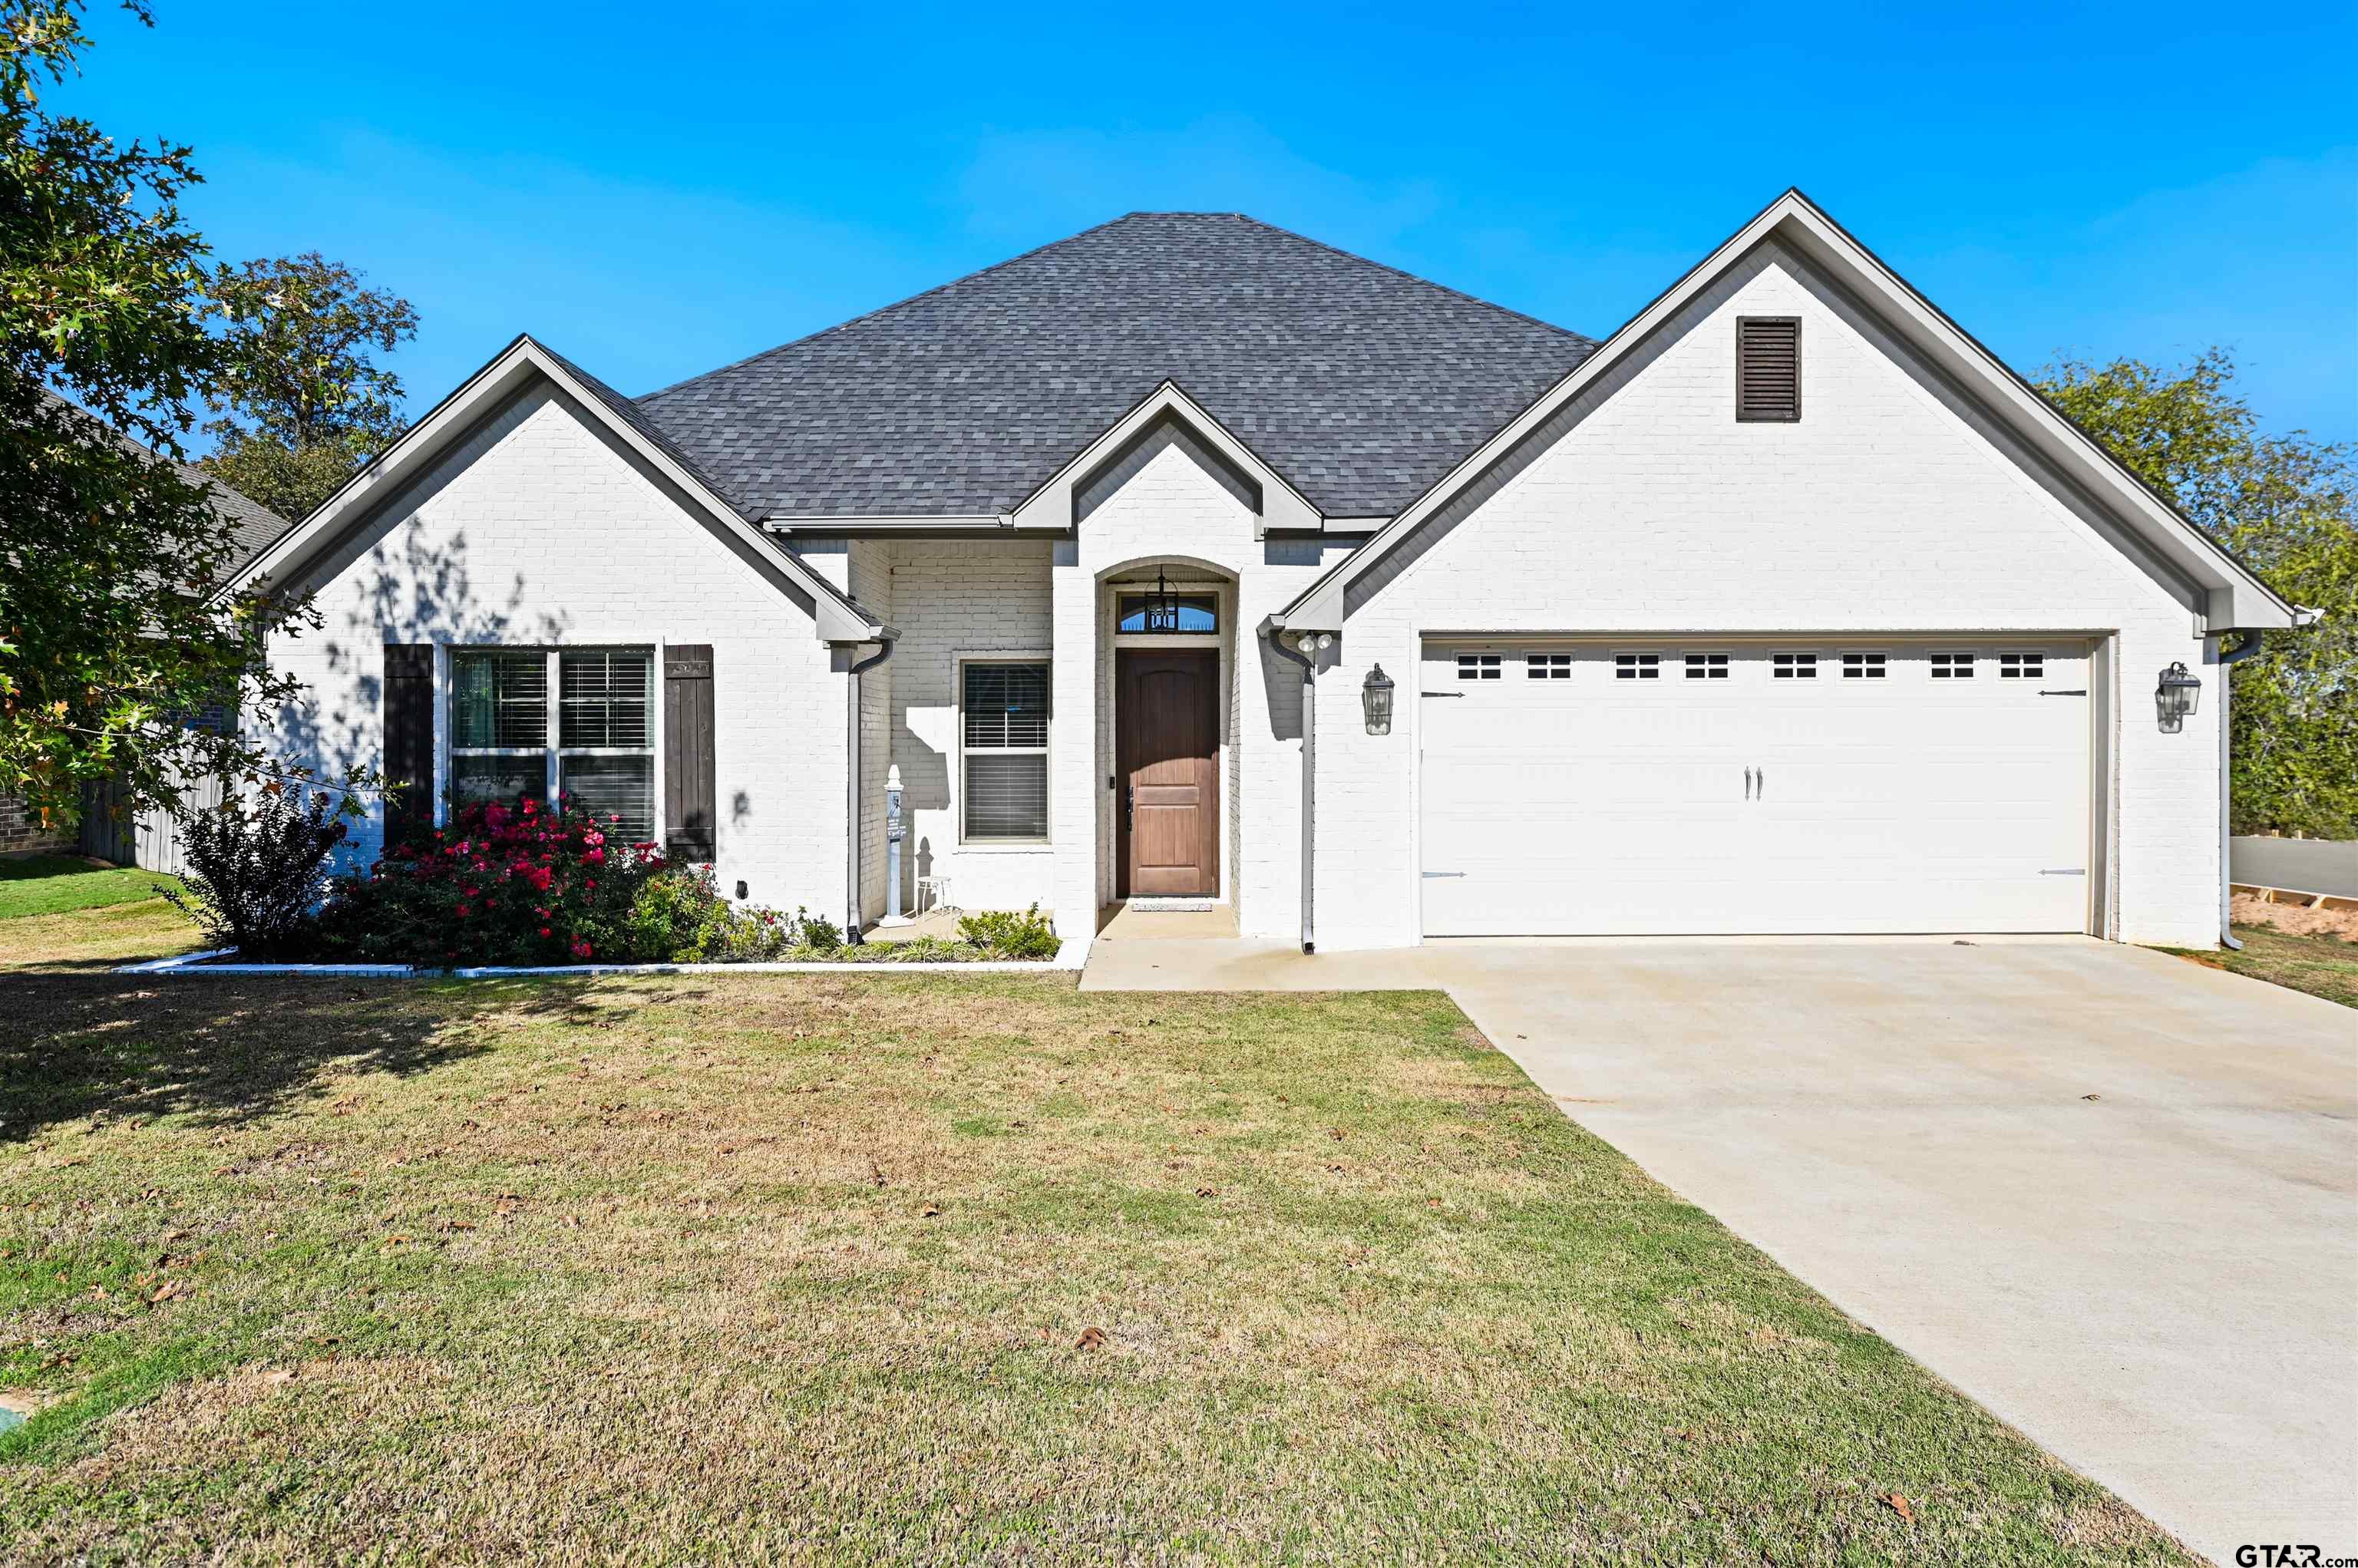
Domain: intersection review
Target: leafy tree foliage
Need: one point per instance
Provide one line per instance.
(306, 404)
(112, 627)
(2286, 505)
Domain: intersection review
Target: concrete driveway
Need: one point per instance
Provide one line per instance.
(2110, 1194)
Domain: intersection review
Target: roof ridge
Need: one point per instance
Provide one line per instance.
(1403, 272)
(1490, 304)
(895, 305)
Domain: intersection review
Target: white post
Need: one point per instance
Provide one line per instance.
(893, 915)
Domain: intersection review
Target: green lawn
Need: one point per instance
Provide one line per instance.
(2322, 965)
(61, 912)
(54, 884)
(876, 1268)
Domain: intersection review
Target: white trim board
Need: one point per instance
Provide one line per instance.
(1281, 505)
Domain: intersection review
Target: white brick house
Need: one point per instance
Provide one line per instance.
(1786, 609)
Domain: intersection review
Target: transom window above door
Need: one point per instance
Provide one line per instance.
(1144, 613)
(595, 743)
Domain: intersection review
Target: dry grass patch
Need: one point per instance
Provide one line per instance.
(2323, 966)
(96, 939)
(885, 1269)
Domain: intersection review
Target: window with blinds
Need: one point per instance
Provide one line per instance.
(594, 744)
(1004, 715)
(1768, 369)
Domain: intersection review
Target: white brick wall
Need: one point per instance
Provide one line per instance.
(954, 598)
(1649, 509)
(1885, 509)
(538, 531)
(1168, 506)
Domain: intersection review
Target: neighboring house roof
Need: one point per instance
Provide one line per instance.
(252, 526)
(1359, 384)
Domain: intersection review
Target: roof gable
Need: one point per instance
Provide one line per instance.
(1358, 383)
(2233, 597)
(1059, 501)
(837, 617)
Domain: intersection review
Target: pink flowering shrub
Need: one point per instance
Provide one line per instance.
(497, 884)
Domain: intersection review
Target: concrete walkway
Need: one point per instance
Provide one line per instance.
(2111, 1194)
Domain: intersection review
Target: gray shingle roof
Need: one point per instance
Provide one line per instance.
(638, 419)
(253, 527)
(1359, 384)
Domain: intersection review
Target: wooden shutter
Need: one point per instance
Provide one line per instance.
(408, 737)
(689, 814)
(1768, 369)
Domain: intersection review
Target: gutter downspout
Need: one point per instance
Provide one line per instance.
(2253, 642)
(851, 848)
(1273, 631)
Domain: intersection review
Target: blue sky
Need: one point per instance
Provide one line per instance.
(656, 191)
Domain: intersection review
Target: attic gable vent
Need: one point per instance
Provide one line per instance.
(1768, 369)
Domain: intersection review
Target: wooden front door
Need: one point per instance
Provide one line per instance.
(1167, 766)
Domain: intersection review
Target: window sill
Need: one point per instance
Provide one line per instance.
(1004, 846)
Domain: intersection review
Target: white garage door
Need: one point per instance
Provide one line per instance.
(1835, 787)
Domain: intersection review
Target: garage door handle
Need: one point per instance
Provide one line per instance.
(1748, 784)
(1430, 876)
(1760, 788)
(2075, 691)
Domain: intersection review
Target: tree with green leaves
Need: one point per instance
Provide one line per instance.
(115, 625)
(304, 404)
(2287, 506)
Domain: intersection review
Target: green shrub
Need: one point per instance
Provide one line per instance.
(1005, 934)
(680, 918)
(255, 868)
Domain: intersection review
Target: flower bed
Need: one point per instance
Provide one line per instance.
(522, 887)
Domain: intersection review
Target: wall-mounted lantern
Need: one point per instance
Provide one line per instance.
(2175, 697)
(1376, 694)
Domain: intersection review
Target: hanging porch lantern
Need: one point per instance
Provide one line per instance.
(1376, 696)
(1161, 606)
(2175, 697)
